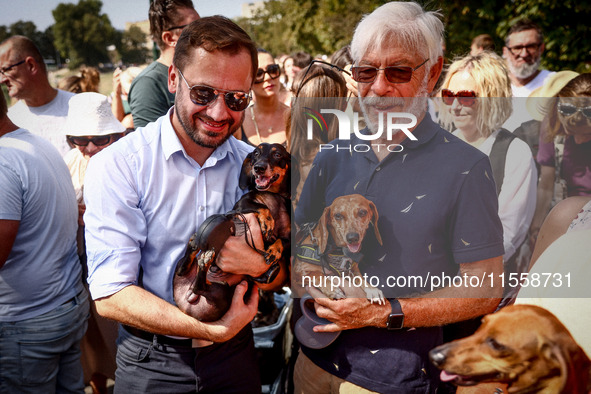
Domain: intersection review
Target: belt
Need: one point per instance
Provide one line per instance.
(165, 340)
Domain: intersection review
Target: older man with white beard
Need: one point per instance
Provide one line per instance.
(437, 209)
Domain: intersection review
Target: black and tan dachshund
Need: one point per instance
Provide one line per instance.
(201, 289)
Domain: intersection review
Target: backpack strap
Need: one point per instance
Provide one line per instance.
(498, 156)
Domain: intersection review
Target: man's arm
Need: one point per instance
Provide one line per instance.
(443, 306)
(8, 231)
(137, 307)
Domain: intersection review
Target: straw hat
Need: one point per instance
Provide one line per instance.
(90, 114)
(540, 99)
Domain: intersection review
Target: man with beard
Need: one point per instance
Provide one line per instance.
(523, 50)
(148, 193)
(437, 209)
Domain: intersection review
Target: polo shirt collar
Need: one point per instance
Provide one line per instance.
(425, 132)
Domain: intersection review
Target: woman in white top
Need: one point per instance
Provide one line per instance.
(477, 94)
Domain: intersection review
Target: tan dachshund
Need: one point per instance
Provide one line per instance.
(523, 346)
(331, 248)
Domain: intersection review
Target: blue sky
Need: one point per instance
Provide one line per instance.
(119, 11)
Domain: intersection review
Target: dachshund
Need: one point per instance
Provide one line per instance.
(333, 246)
(523, 346)
(201, 289)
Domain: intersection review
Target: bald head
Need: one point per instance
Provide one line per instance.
(22, 47)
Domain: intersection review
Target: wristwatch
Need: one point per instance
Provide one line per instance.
(396, 318)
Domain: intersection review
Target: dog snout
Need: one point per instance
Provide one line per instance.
(352, 238)
(260, 168)
(438, 355)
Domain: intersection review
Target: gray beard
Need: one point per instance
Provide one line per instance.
(526, 70)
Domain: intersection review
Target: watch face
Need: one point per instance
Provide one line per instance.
(395, 321)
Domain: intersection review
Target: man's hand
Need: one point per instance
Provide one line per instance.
(237, 257)
(352, 312)
(239, 315)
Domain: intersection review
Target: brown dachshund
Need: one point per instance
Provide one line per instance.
(333, 246)
(523, 346)
(201, 289)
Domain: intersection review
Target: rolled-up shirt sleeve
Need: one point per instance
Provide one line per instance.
(115, 225)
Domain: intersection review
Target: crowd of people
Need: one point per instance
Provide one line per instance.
(100, 195)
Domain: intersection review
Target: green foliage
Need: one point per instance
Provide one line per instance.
(132, 47)
(82, 33)
(43, 40)
(323, 26)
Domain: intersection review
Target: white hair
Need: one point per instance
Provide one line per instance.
(406, 23)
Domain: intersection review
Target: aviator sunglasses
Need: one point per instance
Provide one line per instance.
(203, 95)
(466, 98)
(272, 69)
(570, 110)
(394, 74)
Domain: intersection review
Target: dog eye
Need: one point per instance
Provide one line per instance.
(362, 213)
(339, 216)
(495, 345)
(277, 155)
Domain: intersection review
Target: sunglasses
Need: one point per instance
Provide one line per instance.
(203, 95)
(466, 98)
(570, 110)
(315, 61)
(394, 74)
(101, 140)
(272, 69)
(177, 27)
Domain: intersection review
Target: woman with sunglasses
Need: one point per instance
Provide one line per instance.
(565, 146)
(477, 94)
(90, 128)
(264, 121)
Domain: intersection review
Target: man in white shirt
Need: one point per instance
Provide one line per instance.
(41, 109)
(524, 46)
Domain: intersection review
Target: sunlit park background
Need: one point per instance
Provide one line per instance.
(83, 34)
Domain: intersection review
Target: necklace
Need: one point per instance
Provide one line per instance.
(256, 126)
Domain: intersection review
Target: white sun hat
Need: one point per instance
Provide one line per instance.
(539, 100)
(90, 114)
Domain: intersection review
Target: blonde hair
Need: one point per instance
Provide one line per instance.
(492, 81)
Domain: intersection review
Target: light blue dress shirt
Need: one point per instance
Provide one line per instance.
(145, 197)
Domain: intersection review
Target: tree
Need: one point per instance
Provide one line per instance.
(133, 47)
(82, 33)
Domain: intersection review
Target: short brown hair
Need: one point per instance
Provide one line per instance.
(523, 25)
(163, 15)
(214, 33)
(484, 41)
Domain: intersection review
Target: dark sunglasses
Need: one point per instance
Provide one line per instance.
(570, 110)
(315, 61)
(177, 27)
(394, 74)
(466, 98)
(203, 95)
(272, 69)
(101, 140)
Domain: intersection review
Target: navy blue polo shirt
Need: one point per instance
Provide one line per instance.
(437, 207)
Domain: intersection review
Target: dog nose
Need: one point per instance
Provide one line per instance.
(352, 238)
(437, 356)
(259, 169)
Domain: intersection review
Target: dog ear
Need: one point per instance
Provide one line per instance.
(323, 230)
(374, 212)
(246, 178)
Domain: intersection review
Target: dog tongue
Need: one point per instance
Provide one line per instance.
(354, 248)
(262, 181)
(447, 377)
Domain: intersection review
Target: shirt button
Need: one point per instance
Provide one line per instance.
(201, 208)
(379, 168)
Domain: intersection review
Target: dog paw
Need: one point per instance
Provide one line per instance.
(375, 296)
